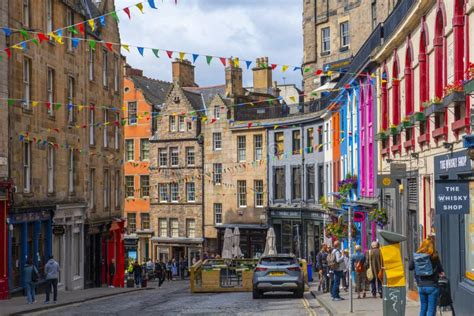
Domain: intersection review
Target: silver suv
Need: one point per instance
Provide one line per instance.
(278, 273)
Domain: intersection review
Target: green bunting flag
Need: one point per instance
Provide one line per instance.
(307, 69)
(115, 16)
(73, 30)
(92, 44)
(11, 102)
(57, 106)
(24, 33)
(208, 59)
(35, 41)
(156, 51)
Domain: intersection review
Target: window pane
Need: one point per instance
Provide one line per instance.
(174, 228)
(132, 113)
(217, 141)
(132, 222)
(174, 159)
(217, 173)
(258, 150)
(218, 213)
(279, 183)
(129, 150)
(163, 227)
(296, 142)
(241, 147)
(163, 157)
(296, 183)
(258, 193)
(145, 220)
(163, 192)
(144, 149)
(190, 228)
(310, 178)
(190, 192)
(129, 186)
(279, 143)
(144, 186)
(190, 158)
(309, 140)
(174, 192)
(242, 193)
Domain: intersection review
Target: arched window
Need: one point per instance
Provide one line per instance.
(458, 27)
(440, 77)
(384, 100)
(396, 96)
(423, 64)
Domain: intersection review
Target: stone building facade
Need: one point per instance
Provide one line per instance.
(176, 172)
(65, 160)
(333, 31)
(143, 98)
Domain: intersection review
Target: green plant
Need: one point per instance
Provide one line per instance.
(324, 203)
(379, 215)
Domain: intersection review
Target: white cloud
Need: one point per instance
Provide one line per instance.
(215, 27)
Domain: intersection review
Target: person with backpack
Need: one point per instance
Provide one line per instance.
(51, 269)
(30, 276)
(336, 263)
(428, 270)
(358, 265)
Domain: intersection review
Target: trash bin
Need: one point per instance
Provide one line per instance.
(310, 272)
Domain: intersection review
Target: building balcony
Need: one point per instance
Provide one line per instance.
(409, 144)
(396, 148)
(460, 124)
(425, 138)
(385, 151)
(441, 132)
(469, 87)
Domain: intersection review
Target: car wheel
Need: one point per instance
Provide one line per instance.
(299, 293)
(256, 294)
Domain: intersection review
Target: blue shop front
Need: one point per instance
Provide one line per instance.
(454, 225)
(29, 236)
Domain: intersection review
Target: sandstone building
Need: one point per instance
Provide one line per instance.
(65, 144)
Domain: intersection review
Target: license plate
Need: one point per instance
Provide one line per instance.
(277, 273)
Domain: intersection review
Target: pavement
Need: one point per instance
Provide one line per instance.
(19, 306)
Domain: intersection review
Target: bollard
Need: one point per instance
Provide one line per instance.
(394, 285)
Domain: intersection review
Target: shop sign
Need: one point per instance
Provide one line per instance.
(385, 181)
(398, 170)
(130, 242)
(452, 164)
(58, 230)
(452, 197)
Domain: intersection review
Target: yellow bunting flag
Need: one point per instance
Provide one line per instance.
(284, 68)
(17, 46)
(126, 47)
(140, 6)
(181, 55)
(236, 62)
(91, 24)
(329, 73)
(275, 127)
(124, 108)
(34, 103)
(80, 108)
(292, 98)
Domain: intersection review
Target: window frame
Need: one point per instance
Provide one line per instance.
(174, 155)
(105, 130)
(276, 184)
(258, 147)
(173, 229)
(117, 131)
(27, 167)
(190, 227)
(71, 117)
(129, 186)
(50, 91)
(163, 230)
(181, 123)
(51, 169)
(190, 157)
(190, 194)
(294, 189)
(241, 148)
(163, 192)
(172, 123)
(144, 142)
(106, 187)
(279, 143)
(92, 188)
(132, 112)
(26, 14)
(326, 40)
(91, 126)
(69, 21)
(26, 83)
(117, 189)
(105, 69)
(91, 64)
(296, 142)
(144, 186)
(242, 194)
(216, 141)
(163, 157)
(145, 218)
(174, 194)
(258, 189)
(71, 171)
(49, 16)
(217, 212)
(217, 173)
(130, 142)
(310, 176)
(131, 227)
(344, 34)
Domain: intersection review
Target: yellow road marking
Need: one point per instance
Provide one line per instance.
(308, 307)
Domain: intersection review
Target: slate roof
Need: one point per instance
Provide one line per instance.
(195, 99)
(209, 92)
(155, 91)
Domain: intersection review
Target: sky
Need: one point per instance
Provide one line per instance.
(239, 28)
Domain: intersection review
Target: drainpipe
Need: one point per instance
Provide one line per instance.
(303, 195)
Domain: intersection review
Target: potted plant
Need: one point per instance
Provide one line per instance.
(379, 215)
(406, 122)
(339, 230)
(434, 106)
(339, 200)
(454, 92)
(417, 117)
(394, 129)
(382, 135)
(346, 185)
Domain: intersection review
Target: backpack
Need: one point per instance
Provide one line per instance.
(34, 274)
(332, 263)
(359, 267)
(423, 265)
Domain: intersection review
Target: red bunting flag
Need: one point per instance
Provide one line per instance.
(213, 120)
(169, 53)
(274, 66)
(109, 46)
(223, 60)
(318, 72)
(347, 86)
(56, 130)
(9, 52)
(42, 37)
(48, 105)
(81, 27)
(249, 125)
(127, 10)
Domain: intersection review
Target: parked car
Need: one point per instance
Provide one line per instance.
(278, 273)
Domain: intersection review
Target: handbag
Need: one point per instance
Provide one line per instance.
(380, 275)
(369, 272)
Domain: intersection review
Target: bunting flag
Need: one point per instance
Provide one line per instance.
(318, 72)
(274, 66)
(115, 16)
(126, 47)
(296, 68)
(8, 51)
(127, 11)
(292, 98)
(140, 7)
(91, 24)
(81, 28)
(102, 20)
(92, 44)
(208, 59)
(141, 50)
(169, 53)
(223, 60)
(7, 31)
(284, 68)
(24, 33)
(236, 62)
(156, 51)
(181, 55)
(307, 69)
(195, 57)
(248, 63)
(11, 102)
(75, 42)
(109, 46)
(152, 5)
(42, 37)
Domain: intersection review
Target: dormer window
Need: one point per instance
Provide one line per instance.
(217, 113)
(176, 99)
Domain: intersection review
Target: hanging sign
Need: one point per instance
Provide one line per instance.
(452, 197)
(58, 230)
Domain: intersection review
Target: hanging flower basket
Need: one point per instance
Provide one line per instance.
(339, 200)
(339, 230)
(418, 117)
(380, 216)
(346, 185)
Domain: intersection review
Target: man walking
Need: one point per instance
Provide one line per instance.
(111, 273)
(336, 263)
(51, 269)
(30, 276)
(375, 264)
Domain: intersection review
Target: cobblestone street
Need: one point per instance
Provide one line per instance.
(175, 299)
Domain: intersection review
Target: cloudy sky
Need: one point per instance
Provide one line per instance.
(244, 28)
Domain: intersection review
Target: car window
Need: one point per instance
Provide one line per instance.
(271, 261)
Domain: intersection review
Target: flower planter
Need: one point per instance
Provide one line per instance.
(454, 97)
(469, 86)
(434, 108)
(407, 124)
(382, 136)
(418, 117)
(394, 131)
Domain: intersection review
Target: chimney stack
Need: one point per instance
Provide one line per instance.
(233, 79)
(183, 73)
(262, 76)
(129, 71)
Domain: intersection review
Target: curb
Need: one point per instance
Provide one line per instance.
(323, 303)
(54, 306)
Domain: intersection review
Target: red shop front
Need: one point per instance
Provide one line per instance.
(116, 251)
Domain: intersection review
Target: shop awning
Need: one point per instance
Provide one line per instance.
(177, 240)
(242, 226)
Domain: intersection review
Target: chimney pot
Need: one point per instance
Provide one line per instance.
(183, 73)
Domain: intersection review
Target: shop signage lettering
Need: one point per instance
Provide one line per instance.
(452, 197)
(452, 164)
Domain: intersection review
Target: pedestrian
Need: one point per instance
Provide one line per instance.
(30, 277)
(169, 274)
(51, 269)
(375, 264)
(322, 266)
(137, 274)
(330, 271)
(174, 267)
(345, 278)
(428, 269)
(111, 273)
(194, 261)
(160, 272)
(358, 265)
(336, 263)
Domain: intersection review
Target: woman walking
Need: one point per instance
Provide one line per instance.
(30, 275)
(428, 269)
(358, 265)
